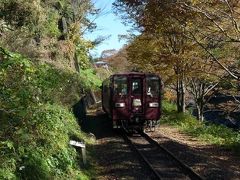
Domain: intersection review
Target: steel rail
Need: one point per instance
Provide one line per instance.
(151, 168)
(187, 170)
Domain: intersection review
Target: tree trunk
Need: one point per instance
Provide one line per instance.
(200, 107)
(76, 63)
(183, 91)
(181, 107)
(198, 112)
(178, 96)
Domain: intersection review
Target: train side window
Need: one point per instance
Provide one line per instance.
(120, 85)
(153, 86)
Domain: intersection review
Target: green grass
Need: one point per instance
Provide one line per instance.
(37, 123)
(207, 132)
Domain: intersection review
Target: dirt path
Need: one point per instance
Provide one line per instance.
(209, 161)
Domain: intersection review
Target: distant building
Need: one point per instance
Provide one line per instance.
(101, 64)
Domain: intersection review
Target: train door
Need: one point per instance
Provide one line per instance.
(137, 95)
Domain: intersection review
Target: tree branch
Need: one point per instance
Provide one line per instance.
(214, 58)
(209, 88)
(207, 15)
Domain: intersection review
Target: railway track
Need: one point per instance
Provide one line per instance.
(162, 163)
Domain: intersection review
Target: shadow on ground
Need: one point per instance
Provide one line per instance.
(208, 160)
(92, 120)
(117, 161)
(114, 158)
(80, 110)
(99, 125)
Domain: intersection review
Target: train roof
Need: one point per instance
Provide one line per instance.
(133, 73)
(130, 73)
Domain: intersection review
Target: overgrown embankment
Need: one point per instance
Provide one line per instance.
(36, 120)
(205, 131)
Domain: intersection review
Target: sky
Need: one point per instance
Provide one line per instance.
(108, 24)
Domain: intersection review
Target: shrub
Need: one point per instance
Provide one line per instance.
(168, 107)
(36, 120)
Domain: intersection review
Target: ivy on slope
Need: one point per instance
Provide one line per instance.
(36, 122)
(88, 76)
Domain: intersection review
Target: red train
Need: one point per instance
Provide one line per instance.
(132, 100)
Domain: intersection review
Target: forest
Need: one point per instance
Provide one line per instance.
(46, 68)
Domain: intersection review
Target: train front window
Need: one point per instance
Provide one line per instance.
(120, 85)
(136, 86)
(153, 86)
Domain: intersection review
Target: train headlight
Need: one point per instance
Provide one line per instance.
(154, 104)
(119, 105)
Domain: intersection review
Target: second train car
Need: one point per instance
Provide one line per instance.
(132, 100)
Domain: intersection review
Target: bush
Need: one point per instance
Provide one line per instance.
(36, 120)
(168, 107)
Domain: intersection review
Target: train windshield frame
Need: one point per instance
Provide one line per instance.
(120, 85)
(153, 86)
(137, 86)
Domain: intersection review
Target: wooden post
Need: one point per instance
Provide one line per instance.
(83, 147)
(84, 155)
